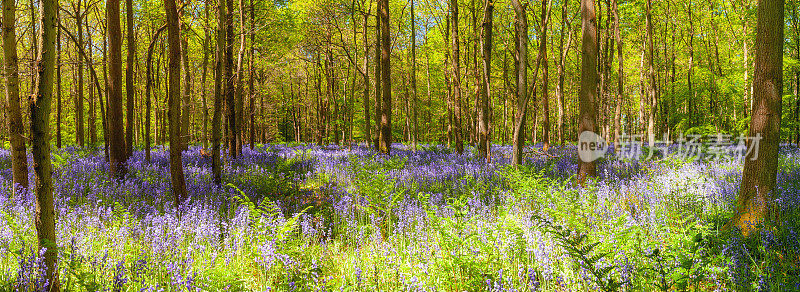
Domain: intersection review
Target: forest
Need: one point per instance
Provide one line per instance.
(400, 145)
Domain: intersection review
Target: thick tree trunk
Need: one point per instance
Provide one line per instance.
(219, 68)
(455, 68)
(45, 214)
(755, 204)
(484, 120)
(16, 127)
(58, 79)
(129, 76)
(175, 139)
(386, 108)
(589, 80)
(116, 133)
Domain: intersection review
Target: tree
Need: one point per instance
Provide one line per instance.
(116, 135)
(589, 80)
(129, 73)
(545, 77)
(230, 83)
(219, 68)
(652, 90)
(19, 156)
(147, 90)
(754, 204)
(386, 108)
(45, 215)
(174, 100)
(484, 120)
(456, 76)
(521, 63)
(415, 134)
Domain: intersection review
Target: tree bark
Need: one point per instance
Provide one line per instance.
(79, 129)
(545, 78)
(16, 127)
(415, 134)
(219, 68)
(755, 203)
(589, 80)
(187, 81)
(521, 62)
(378, 99)
(116, 133)
(652, 88)
(129, 76)
(456, 74)
(147, 95)
(45, 214)
(386, 108)
(620, 75)
(230, 84)
(175, 139)
(484, 120)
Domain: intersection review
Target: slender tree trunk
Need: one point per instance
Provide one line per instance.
(252, 93)
(561, 59)
(129, 76)
(58, 79)
(755, 204)
(147, 95)
(378, 71)
(45, 214)
(652, 89)
(456, 74)
(589, 80)
(620, 75)
(116, 133)
(484, 120)
(521, 62)
(185, 109)
(239, 89)
(414, 105)
(203, 91)
(230, 84)
(386, 108)
(175, 139)
(16, 127)
(367, 117)
(690, 105)
(545, 78)
(79, 129)
(219, 68)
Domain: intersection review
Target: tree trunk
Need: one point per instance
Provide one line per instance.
(175, 139)
(219, 68)
(116, 133)
(521, 65)
(147, 96)
(652, 88)
(16, 127)
(230, 84)
(415, 134)
(79, 130)
(545, 78)
(456, 75)
(185, 108)
(755, 204)
(484, 121)
(378, 99)
(252, 93)
(129, 76)
(620, 75)
(203, 91)
(367, 117)
(45, 214)
(58, 79)
(386, 108)
(239, 89)
(589, 80)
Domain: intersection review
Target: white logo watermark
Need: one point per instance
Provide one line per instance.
(592, 146)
